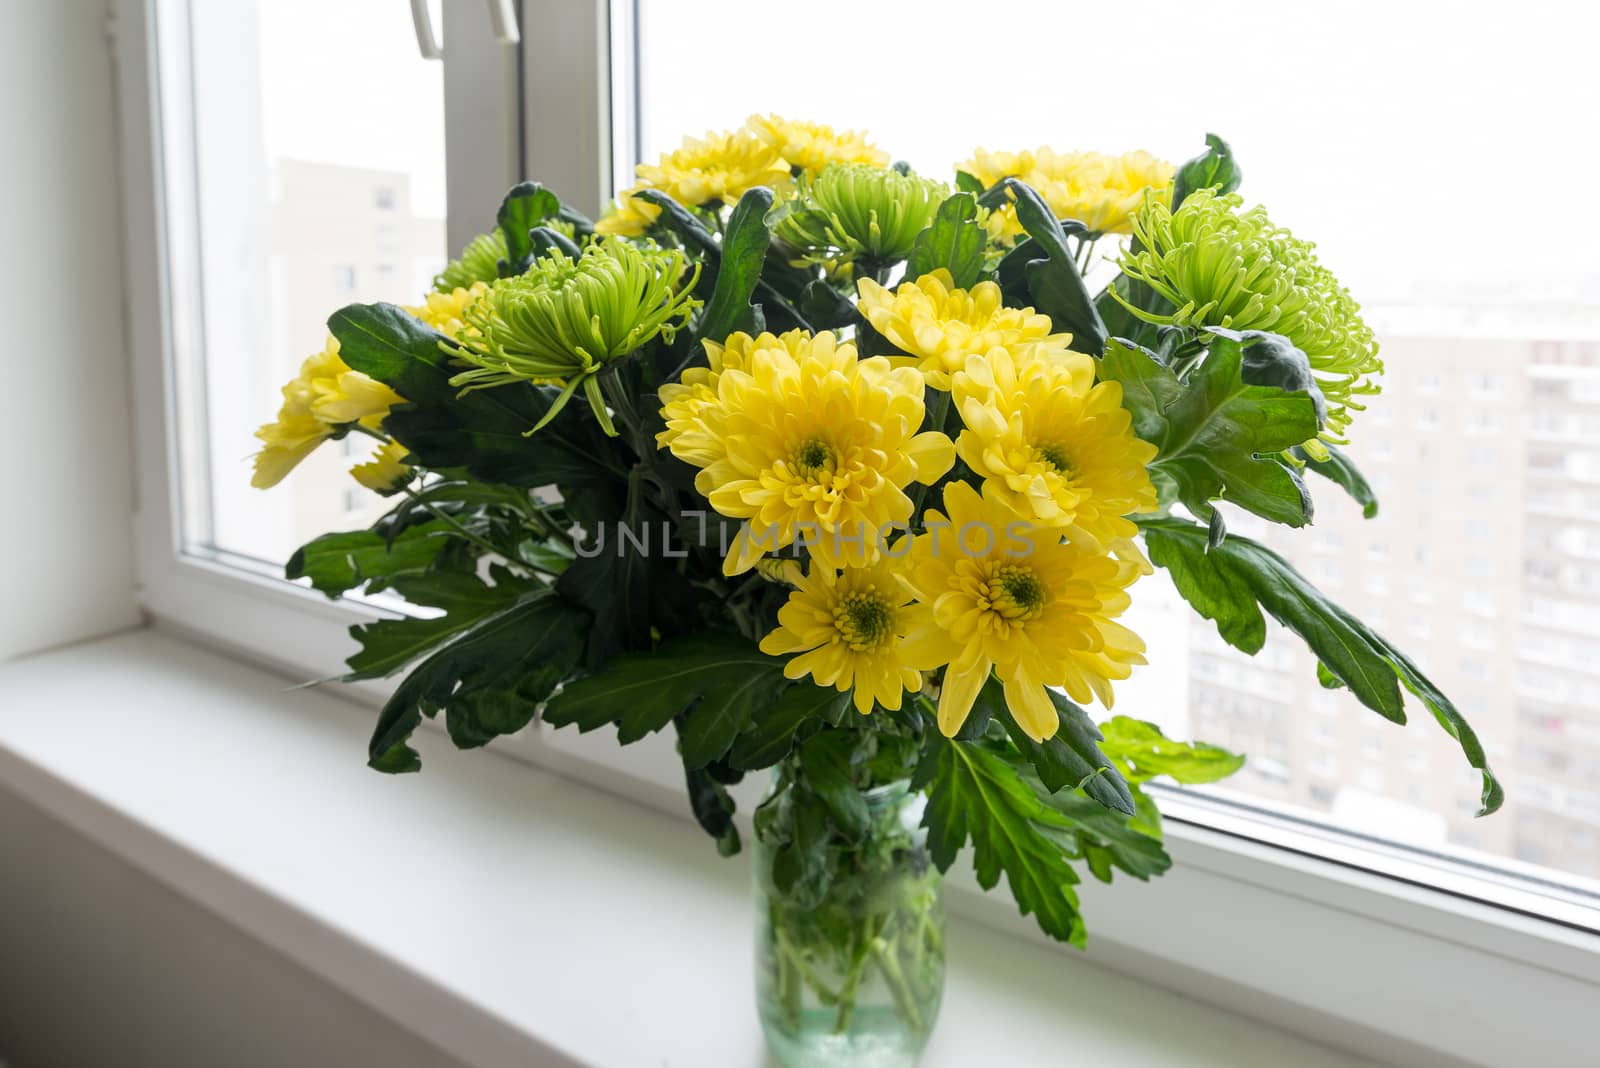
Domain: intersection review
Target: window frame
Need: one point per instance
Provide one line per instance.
(1265, 888)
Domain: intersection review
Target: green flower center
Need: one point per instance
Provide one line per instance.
(811, 456)
(1017, 593)
(1054, 456)
(865, 620)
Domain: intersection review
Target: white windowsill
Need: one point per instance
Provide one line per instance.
(503, 913)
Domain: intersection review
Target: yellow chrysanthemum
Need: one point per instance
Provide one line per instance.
(940, 325)
(324, 396)
(1098, 190)
(689, 406)
(812, 146)
(720, 167)
(446, 312)
(854, 629)
(1014, 599)
(989, 167)
(808, 442)
(384, 473)
(1056, 448)
(628, 216)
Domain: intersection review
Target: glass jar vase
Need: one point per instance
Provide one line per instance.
(849, 928)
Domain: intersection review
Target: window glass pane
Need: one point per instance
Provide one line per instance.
(1417, 152)
(317, 180)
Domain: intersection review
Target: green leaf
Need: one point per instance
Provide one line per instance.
(1268, 359)
(800, 865)
(975, 794)
(967, 183)
(614, 585)
(1102, 838)
(953, 241)
(545, 239)
(1339, 469)
(488, 681)
(1070, 758)
(337, 563)
(824, 307)
(483, 432)
(677, 218)
(390, 644)
(1215, 168)
(1217, 435)
(771, 735)
(713, 809)
(1058, 289)
(713, 681)
(1348, 649)
(825, 762)
(744, 249)
(526, 206)
(1143, 752)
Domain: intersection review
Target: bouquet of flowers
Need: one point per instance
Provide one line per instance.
(837, 469)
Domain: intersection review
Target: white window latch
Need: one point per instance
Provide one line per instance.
(502, 21)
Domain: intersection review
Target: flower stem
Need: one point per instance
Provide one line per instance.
(451, 522)
(883, 951)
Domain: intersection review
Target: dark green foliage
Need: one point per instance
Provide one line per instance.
(715, 683)
(1056, 285)
(463, 599)
(484, 432)
(1218, 435)
(488, 681)
(1231, 585)
(1070, 759)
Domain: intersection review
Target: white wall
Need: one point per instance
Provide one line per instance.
(100, 964)
(66, 558)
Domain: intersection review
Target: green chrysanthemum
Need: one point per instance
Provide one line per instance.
(478, 262)
(857, 211)
(564, 320)
(1221, 266)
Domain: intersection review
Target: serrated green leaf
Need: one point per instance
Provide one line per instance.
(1340, 470)
(953, 241)
(713, 682)
(1347, 648)
(1070, 758)
(1103, 838)
(1218, 436)
(771, 735)
(488, 681)
(390, 644)
(337, 563)
(1142, 752)
(975, 794)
